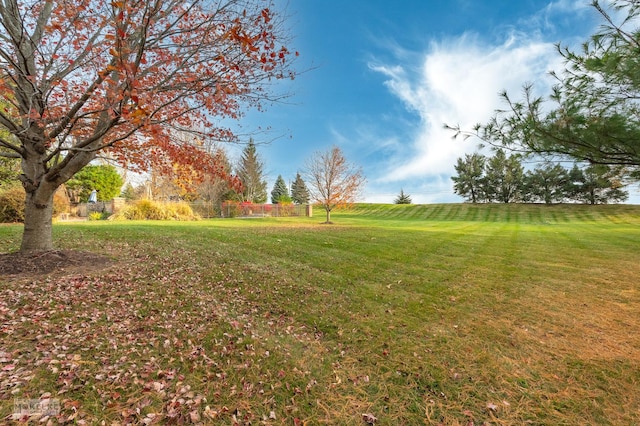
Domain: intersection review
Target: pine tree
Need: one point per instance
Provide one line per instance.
(280, 191)
(469, 182)
(403, 198)
(250, 173)
(591, 113)
(504, 178)
(299, 191)
(596, 184)
(546, 183)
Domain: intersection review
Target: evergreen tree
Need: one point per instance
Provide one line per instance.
(504, 178)
(280, 191)
(403, 198)
(299, 191)
(251, 174)
(596, 184)
(470, 180)
(575, 180)
(546, 183)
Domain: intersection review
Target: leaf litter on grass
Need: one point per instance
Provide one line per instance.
(143, 342)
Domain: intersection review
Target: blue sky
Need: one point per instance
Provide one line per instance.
(384, 76)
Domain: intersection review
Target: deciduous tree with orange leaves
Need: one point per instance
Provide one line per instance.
(120, 78)
(333, 181)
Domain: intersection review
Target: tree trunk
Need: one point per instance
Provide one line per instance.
(328, 215)
(37, 234)
(40, 183)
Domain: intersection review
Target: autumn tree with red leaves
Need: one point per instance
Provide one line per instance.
(333, 181)
(119, 78)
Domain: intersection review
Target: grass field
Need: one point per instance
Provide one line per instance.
(396, 315)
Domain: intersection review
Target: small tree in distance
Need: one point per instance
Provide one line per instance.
(596, 184)
(546, 183)
(402, 198)
(251, 174)
(299, 191)
(504, 178)
(334, 181)
(470, 182)
(216, 189)
(280, 191)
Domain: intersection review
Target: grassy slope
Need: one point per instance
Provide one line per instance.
(414, 314)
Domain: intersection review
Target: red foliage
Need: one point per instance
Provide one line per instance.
(127, 77)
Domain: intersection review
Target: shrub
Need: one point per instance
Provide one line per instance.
(60, 201)
(150, 210)
(179, 210)
(12, 203)
(95, 216)
(284, 199)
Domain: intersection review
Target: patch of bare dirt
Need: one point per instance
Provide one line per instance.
(41, 263)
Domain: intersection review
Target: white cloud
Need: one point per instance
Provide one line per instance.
(567, 6)
(457, 82)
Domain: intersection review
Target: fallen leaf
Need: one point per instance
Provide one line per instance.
(492, 407)
(369, 418)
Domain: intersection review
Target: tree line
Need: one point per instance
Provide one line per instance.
(247, 184)
(591, 115)
(334, 181)
(502, 178)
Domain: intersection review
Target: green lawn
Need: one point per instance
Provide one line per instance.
(435, 314)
